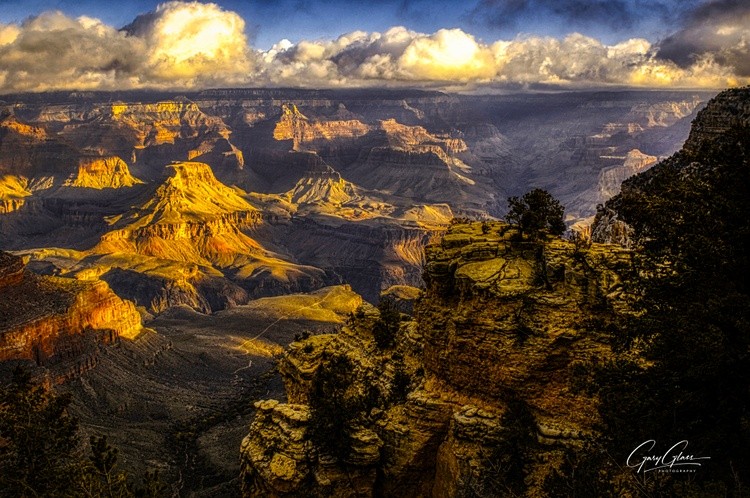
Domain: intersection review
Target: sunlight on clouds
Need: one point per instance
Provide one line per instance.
(8, 33)
(451, 57)
(449, 54)
(198, 45)
(188, 40)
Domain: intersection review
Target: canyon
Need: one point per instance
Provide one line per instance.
(163, 249)
(314, 169)
(502, 322)
(503, 375)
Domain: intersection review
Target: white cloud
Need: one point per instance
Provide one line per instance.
(192, 40)
(195, 45)
(185, 44)
(452, 57)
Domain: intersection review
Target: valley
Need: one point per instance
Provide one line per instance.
(175, 244)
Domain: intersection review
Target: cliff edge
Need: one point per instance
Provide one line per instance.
(429, 405)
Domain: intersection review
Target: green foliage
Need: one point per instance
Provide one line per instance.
(39, 450)
(103, 479)
(386, 327)
(536, 212)
(41, 455)
(691, 221)
(400, 385)
(585, 472)
(337, 405)
(503, 469)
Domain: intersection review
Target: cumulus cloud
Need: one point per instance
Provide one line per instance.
(193, 41)
(186, 44)
(719, 30)
(453, 57)
(198, 45)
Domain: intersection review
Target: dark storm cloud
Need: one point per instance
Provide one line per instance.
(719, 29)
(615, 15)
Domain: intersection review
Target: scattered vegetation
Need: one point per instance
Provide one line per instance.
(400, 384)
(535, 213)
(337, 405)
(386, 327)
(502, 472)
(41, 453)
(302, 337)
(692, 232)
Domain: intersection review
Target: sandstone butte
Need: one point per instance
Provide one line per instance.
(56, 322)
(102, 172)
(500, 320)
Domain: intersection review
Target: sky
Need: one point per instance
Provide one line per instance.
(470, 46)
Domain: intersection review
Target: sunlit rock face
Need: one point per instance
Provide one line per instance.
(501, 321)
(611, 179)
(342, 185)
(294, 126)
(13, 193)
(186, 244)
(102, 172)
(56, 322)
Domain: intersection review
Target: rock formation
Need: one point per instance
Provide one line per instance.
(293, 125)
(13, 193)
(502, 324)
(57, 322)
(349, 182)
(611, 179)
(102, 172)
(728, 111)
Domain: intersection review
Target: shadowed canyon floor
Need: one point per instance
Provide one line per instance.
(176, 398)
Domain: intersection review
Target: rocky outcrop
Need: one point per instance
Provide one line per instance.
(502, 323)
(729, 109)
(189, 240)
(323, 187)
(102, 172)
(13, 193)
(190, 203)
(610, 179)
(58, 322)
(729, 112)
(295, 126)
(28, 150)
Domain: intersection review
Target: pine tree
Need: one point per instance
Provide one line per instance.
(536, 212)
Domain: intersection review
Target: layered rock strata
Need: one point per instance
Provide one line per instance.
(51, 321)
(502, 324)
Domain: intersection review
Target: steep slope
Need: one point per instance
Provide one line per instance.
(13, 193)
(325, 187)
(28, 150)
(58, 322)
(687, 219)
(609, 183)
(185, 245)
(410, 162)
(724, 115)
(295, 126)
(489, 361)
(102, 172)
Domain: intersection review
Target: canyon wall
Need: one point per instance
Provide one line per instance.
(56, 322)
(495, 339)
